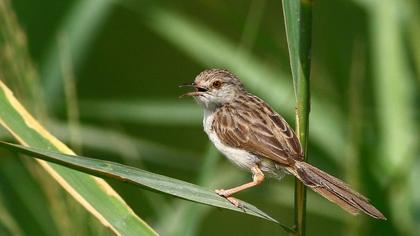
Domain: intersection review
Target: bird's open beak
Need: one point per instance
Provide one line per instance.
(198, 90)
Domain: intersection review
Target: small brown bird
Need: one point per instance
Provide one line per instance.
(255, 137)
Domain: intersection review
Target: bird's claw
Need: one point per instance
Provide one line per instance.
(226, 194)
(223, 193)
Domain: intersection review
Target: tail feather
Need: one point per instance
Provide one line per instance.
(334, 190)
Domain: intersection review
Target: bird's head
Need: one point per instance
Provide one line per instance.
(215, 87)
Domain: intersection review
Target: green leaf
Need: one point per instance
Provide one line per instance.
(142, 178)
(92, 193)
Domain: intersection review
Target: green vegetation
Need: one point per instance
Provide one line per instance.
(101, 76)
(298, 21)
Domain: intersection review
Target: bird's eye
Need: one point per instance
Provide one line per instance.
(217, 84)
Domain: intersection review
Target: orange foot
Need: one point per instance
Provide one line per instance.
(226, 194)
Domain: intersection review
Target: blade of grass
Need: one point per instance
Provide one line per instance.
(92, 193)
(141, 178)
(298, 21)
(16, 67)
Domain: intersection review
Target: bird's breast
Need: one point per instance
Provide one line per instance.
(239, 157)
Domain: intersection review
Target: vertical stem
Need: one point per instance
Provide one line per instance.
(303, 97)
(298, 21)
(302, 130)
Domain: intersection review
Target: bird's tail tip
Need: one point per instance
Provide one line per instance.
(334, 190)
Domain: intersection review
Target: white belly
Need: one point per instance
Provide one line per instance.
(241, 157)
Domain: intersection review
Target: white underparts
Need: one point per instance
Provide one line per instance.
(241, 158)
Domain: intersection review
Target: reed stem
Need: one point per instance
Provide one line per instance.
(298, 21)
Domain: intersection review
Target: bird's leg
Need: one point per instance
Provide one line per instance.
(257, 178)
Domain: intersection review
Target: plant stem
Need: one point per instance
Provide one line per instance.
(298, 21)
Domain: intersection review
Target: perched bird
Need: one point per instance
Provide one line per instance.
(256, 138)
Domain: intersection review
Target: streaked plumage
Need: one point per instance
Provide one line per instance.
(249, 123)
(253, 136)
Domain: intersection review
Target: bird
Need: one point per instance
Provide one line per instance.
(247, 131)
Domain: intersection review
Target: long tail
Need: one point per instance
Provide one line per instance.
(334, 190)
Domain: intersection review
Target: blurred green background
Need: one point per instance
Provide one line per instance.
(109, 72)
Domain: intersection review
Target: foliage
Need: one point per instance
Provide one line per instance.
(121, 61)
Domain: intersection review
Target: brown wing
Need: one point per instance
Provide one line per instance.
(252, 125)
